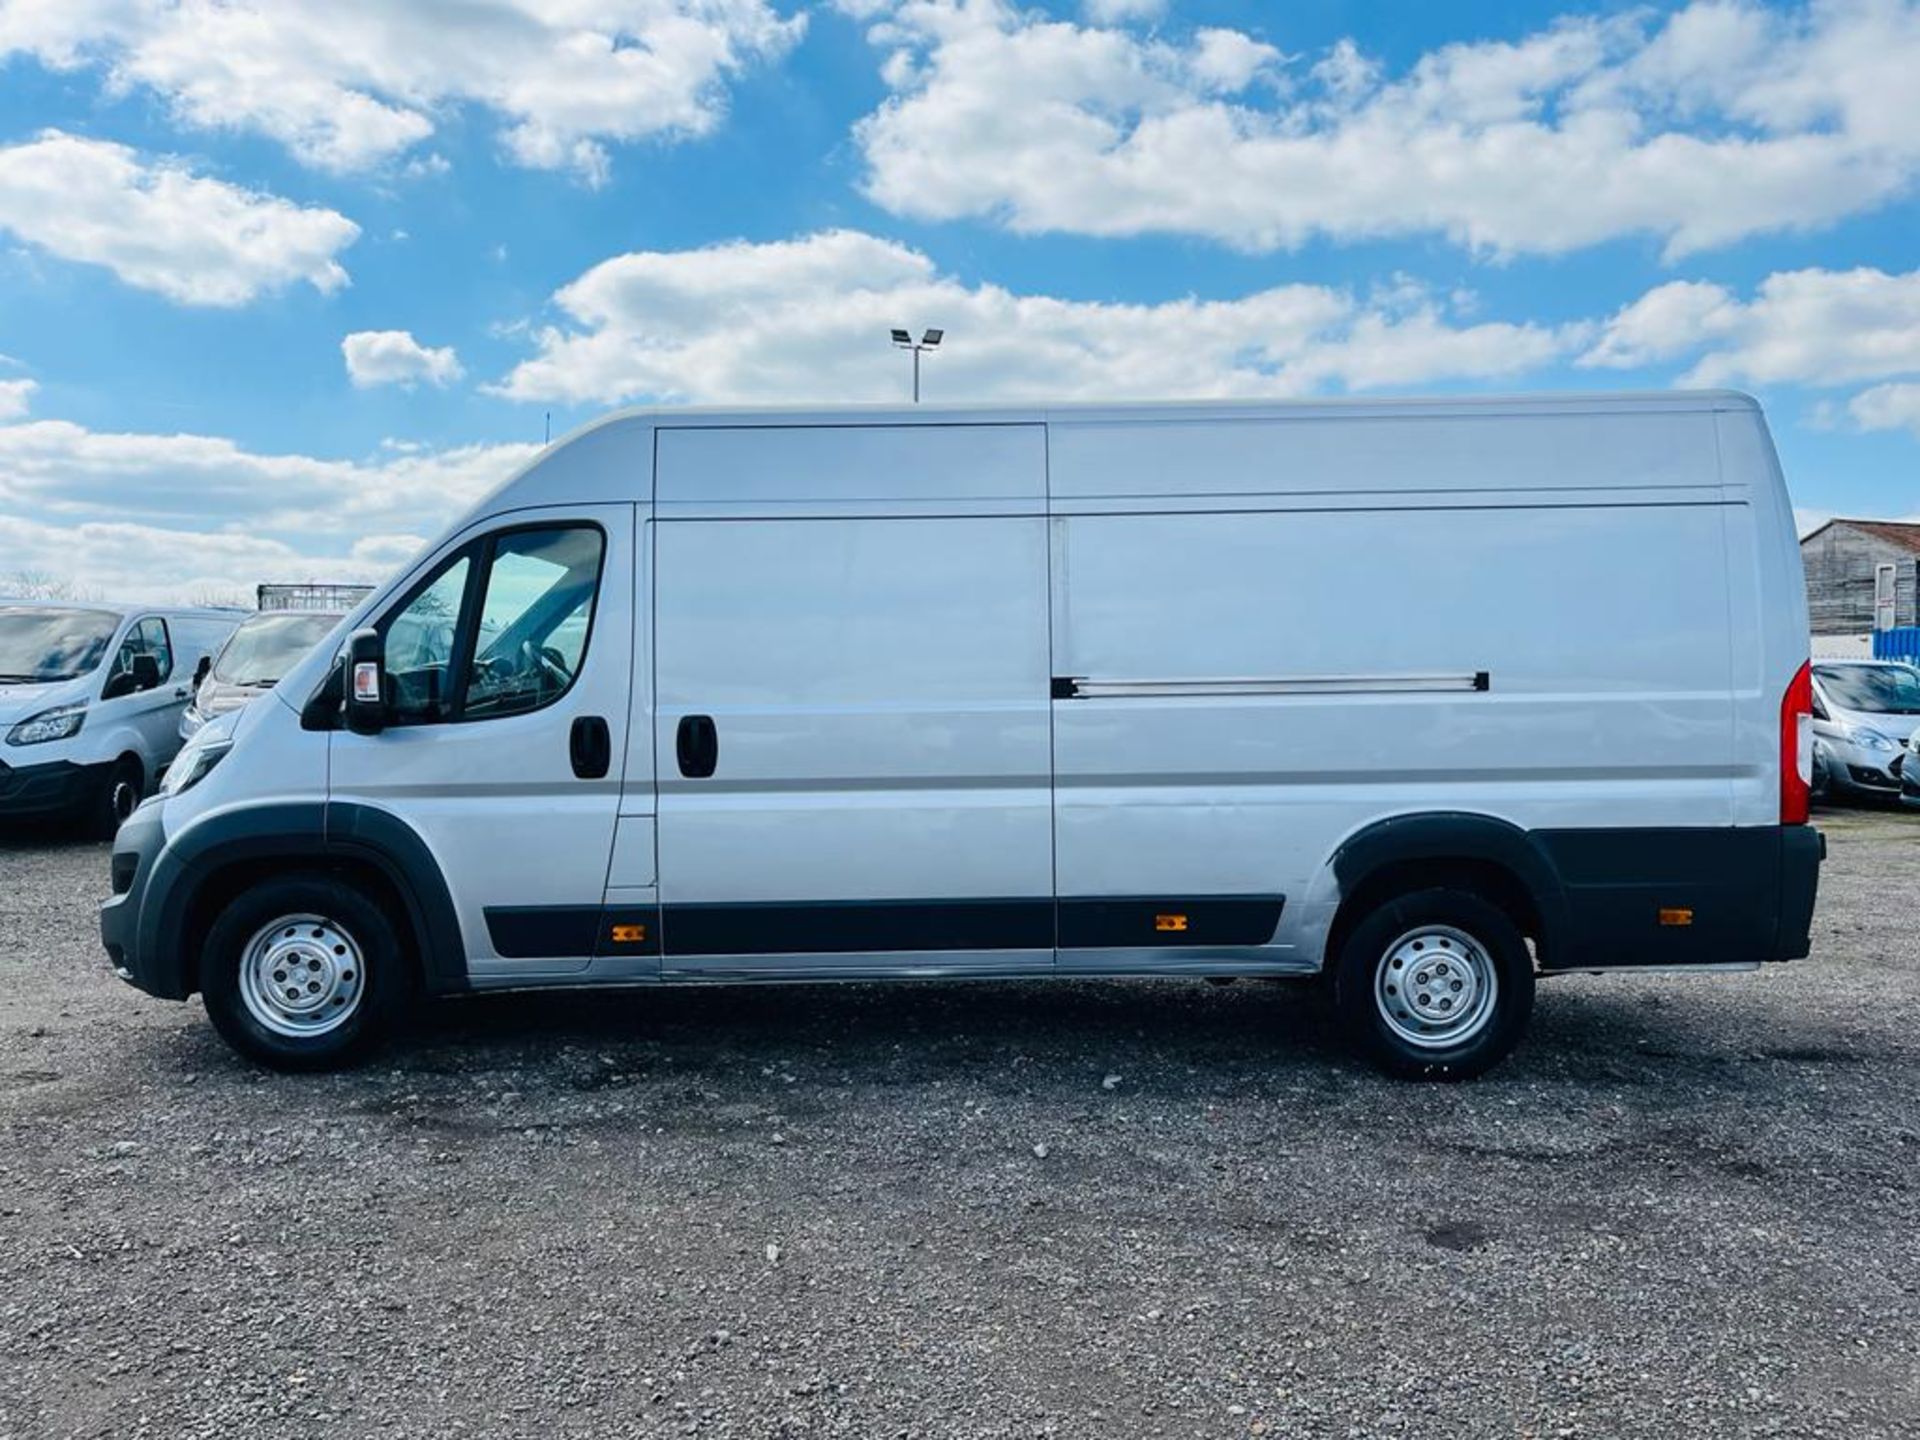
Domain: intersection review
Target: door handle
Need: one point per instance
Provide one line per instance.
(697, 744)
(590, 747)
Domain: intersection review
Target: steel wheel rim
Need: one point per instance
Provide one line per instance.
(302, 976)
(123, 799)
(1435, 987)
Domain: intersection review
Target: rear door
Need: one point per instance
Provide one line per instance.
(510, 662)
(852, 669)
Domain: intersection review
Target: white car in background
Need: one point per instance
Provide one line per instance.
(254, 658)
(1863, 713)
(90, 702)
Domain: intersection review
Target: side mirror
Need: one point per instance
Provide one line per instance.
(146, 672)
(119, 684)
(366, 700)
(202, 670)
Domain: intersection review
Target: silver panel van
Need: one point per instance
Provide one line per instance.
(1415, 699)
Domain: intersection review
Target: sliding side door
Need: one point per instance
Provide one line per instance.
(852, 678)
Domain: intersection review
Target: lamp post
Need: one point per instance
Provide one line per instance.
(903, 340)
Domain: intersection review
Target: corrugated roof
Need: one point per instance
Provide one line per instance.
(1905, 534)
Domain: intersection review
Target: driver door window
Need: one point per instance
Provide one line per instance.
(147, 637)
(513, 642)
(534, 620)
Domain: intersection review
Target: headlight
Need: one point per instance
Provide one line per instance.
(192, 765)
(56, 724)
(1871, 740)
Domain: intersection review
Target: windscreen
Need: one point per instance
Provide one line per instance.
(265, 647)
(1877, 689)
(40, 643)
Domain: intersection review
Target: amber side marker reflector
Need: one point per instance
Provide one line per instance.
(629, 934)
(1675, 916)
(1169, 922)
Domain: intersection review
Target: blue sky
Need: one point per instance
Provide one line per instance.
(284, 283)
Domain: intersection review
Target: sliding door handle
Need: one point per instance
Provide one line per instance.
(697, 746)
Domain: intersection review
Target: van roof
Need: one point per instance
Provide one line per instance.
(645, 418)
(115, 607)
(1549, 402)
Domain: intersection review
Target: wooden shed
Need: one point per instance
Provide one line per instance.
(1841, 560)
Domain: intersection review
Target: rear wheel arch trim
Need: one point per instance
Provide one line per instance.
(1443, 837)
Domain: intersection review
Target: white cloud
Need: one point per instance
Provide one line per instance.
(1721, 120)
(1122, 12)
(160, 227)
(1888, 407)
(348, 84)
(1802, 327)
(1666, 321)
(808, 319)
(132, 514)
(16, 397)
(394, 357)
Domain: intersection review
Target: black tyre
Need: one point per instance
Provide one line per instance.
(115, 798)
(304, 973)
(1435, 985)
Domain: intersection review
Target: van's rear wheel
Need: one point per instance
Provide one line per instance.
(303, 973)
(1435, 985)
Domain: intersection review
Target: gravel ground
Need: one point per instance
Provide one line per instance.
(1687, 1207)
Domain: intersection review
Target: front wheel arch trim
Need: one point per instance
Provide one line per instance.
(305, 835)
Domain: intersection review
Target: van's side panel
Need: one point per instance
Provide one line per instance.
(1530, 447)
(876, 683)
(1598, 617)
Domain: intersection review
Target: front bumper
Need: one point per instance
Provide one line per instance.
(136, 851)
(1856, 770)
(52, 788)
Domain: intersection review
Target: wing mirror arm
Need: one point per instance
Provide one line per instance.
(366, 699)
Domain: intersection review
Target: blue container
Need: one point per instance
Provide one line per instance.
(1900, 643)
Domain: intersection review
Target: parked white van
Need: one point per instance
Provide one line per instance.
(90, 702)
(251, 662)
(1424, 697)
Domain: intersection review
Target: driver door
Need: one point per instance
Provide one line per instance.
(152, 712)
(511, 647)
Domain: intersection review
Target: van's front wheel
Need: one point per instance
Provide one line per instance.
(114, 798)
(303, 973)
(1435, 985)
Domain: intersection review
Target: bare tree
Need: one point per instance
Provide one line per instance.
(211, 597)
(43, 585)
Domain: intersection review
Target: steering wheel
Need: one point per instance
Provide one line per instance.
(552, 662)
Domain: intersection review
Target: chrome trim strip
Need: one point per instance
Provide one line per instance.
(1078, 689)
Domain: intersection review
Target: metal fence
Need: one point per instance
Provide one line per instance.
(311, 595)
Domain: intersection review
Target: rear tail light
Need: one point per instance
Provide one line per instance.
(1796, 746)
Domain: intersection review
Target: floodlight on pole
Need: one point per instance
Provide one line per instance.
(930, 340)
